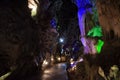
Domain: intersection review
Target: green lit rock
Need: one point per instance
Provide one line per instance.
(95, 32)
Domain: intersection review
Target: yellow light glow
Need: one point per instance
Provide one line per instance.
(47, 71)
(74, 68)
(58, 58)
(71, 59)
(52, 59)
(45, 62)
(4, 76)
(33, 6)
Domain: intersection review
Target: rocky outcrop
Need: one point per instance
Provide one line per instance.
(16, 30)
(109, 16)
(22, 39)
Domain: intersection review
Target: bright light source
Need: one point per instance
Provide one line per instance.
(72, 63)
(45, 62)
(61, 40)
(71, 60)
(58, 58)
(33, 6)
(4, 76)
(47, 71)
(74, 68)
(81, 59)
(52, 59)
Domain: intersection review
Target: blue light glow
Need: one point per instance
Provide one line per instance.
(53, 23)
(83, 3)
(83, 7)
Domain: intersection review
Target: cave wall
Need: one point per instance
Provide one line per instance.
(109, 19)
(22, 38)
(109, 16)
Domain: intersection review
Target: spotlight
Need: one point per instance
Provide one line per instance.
(61, 40)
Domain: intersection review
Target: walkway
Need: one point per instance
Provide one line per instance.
(57, 72)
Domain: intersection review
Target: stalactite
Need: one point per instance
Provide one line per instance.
(82, 11)
(81, 18)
